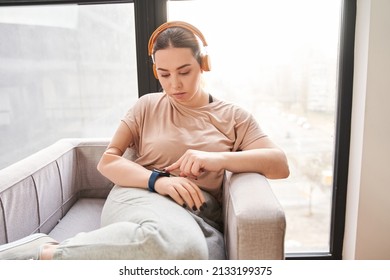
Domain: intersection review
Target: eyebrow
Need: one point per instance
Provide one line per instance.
(178, 68)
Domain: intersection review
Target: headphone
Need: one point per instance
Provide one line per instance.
(205, 60)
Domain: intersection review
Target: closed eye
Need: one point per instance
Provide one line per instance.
(182, 70)
(166, 75)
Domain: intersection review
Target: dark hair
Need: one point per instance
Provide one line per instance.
(178, 37)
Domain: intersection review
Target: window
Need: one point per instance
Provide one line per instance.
(73, 71)
(279, 60)
(65, 71)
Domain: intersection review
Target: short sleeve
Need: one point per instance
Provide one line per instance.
(247, 129)
(134, 119)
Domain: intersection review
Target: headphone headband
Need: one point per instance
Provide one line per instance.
(170, 24)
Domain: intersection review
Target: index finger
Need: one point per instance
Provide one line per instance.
(173, 166)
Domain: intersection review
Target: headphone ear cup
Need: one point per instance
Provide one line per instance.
(206, 65)
(155, 71)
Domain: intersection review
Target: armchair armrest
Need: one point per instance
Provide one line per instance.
(254, 220)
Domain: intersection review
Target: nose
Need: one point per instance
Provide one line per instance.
(176, 82)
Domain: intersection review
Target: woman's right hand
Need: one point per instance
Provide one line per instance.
(181, 190)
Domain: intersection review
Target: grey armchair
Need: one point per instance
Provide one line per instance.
(59, 191)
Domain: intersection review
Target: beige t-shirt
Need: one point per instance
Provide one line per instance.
(163, 130)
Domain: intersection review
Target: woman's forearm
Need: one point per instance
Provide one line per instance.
(123, 172)
(271, 162)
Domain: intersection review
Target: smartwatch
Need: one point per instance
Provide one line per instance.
(154, 176)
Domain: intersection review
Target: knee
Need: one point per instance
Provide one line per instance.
(150, 241)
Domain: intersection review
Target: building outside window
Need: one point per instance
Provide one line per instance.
(65, 71)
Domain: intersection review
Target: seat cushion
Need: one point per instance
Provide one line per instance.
(83, 216)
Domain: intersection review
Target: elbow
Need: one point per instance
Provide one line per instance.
(107, 166)
(281, 168)
(284, 170)
(102, 166)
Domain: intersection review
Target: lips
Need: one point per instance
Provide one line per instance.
(179, 95)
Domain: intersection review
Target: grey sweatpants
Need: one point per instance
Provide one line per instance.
(138, 224)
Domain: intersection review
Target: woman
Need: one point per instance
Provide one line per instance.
(166, 203)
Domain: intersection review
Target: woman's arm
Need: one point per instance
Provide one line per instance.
(126, 173)
(118, 169)
(262, 156)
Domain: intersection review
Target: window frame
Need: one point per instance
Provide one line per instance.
(149, 14)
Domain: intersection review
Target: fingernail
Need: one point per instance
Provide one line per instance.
(201, 208)
(184, 205)
(204, 204)
(194, 208)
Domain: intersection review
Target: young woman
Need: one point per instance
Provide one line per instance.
(166, 203)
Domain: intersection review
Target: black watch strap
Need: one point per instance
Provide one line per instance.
(154, 176)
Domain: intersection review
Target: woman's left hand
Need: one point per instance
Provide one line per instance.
(193, 163)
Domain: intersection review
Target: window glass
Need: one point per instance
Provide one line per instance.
(65, 71)
(278, 59)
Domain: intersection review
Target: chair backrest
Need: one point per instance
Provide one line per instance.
(35, 193)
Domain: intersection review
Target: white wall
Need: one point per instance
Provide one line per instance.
(367, 234)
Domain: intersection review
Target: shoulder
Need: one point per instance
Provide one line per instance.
(149, 101)
(151, 97)
(144, 105)
(229, 108)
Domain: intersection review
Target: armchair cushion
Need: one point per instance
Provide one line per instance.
(73, 223)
